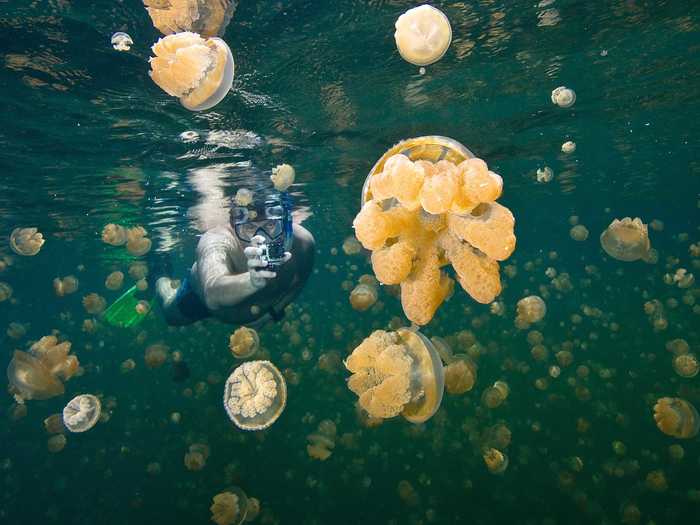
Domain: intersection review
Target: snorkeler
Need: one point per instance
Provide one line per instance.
(245, 272)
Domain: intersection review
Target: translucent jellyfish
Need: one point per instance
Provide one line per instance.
(54, 424)
(563, 97)
(626, 240)
(56, 443)
(121, 41)
(197, 71)
(114, 280)
(252, 509)
(65, 286)
(686, 365)
(568, 147)
(39, 373)
(243, 197)
(656, 481)
(229, 507)
(322, 442)
(94, 304)
(363, 296)
(545, 174)
(196, 456)
(255, 395)
(460, 375)
(205, 17)
(407, 493)
(282, 177)
(495, 395)
(26, 241)
(676, 417)
(156, 355)
(114, 234)
(81, 413)
(397, 373)
(530, 309)
(496, 461)
(579, 233)
(16, 330)
(423, 35)
(244, 342)
(351, 246)
(5, 291)
(136, 241)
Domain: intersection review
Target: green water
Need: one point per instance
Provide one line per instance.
(87, 139)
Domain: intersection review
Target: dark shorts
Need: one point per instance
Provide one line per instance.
(189, 304)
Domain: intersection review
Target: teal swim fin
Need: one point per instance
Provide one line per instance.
(122, 312)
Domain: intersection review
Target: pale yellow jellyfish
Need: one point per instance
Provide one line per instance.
(530, 309)
(127, 366)
(138, 270)
(114, 234)
(686, 365)
(626, 240)
(460, 375)
(229, 507)
(197, 71)
(568, 147)
(255, 395)
(5, 291)
(205, 17)
(156, 355)
(363, 296)
(496, 461)
(39, 373)
(121, 41)
(114, 280)
(142, 307)
(397, 373)
(544, 174)
(579, 233)
(282, 177)
(65, 286)
(351, 246)
(322, 442)
(244, 342)
(136, 241)
(243, 197)
(94, 304)
(54, 424)
(26, 241)
(81, 413)
(676, 417)
(495, 395)
(56, 443)
(423, 35)
(563, 97)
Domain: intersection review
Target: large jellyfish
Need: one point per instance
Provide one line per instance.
(244, 342)
(676, 417)
(26, 241)
(206, 17)
(197, 71)
(229, 507)
(255, 395)
(428, 203)
(397, 373)
(39, 373)
(423, 35)
(626, 240)
(81, 413)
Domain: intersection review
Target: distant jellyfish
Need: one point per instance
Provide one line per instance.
(65, 286)
(121, 41)
(282, 177)
(495, 395)
(16, 330)
(197, 71)
(244, 342)
(114, 234)
(54, 424)
(196, 456)
(26, 241)
(676, 417)
(563, 97)
(544, 174)
(496, 461)
(253, 509)
(138, 270)
(94, 304)
(142, 307)
(686, 365)
(5, 291)
(626, 240)
(322, 442)
(363, 296)
(156, 354)
(136, 241)
(255, 395)
(530, 309)
(579, 233)
(81, 413)
(351, 246)
(568, 147)
(114, 280)
(460, 375)
(229, 507)
(243, 197)
(56, 443)
(423, 35)
(656, 481)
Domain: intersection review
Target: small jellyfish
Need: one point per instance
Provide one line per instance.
(423, 35)
(255, 395)
(54, 424)
(121, 41)
(138, 270)
(686, 365)
(496, 461)
(26, 241)
(142, 307)
(196, 457)
(495, 395)
(545, 174)
(568, 147)
(563, 97)
(65, 286)
(229, 507)
(114, 234)
(530, 309)
(676, 417)
(94, 304)
(114, 281)
(81, 413)
(363, 296)
(56, 443)
(656, 481)
(626, 240)
(189, 136)
(282, 177)
(136, 241)
(579, 233)
(460, 375)
(156, 355)
(5, 291)
(205, 17)
(351, 246)
(243, 197)
(322, 442)
(244, 342)
(197, 71)
(16, 330)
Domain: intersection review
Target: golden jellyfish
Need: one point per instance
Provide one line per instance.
(205, 17)
(530, 309)
(114, 280)
(495, 460)
(16, 330)
(626, 240)
(579, 233)
(138, 270)
(351, 246)
(56, 443)
(142, 307)
(244, 342)
(410, 241)
(686, 365)
(114, 234)
(460, 375)
(229, 507)
(156, 355)
(81, 413)
(676, 417)
(94, 304)
(197, 71)
(136, 241)
(407, 493)
(65, 286)
(495, 395)
(363, 297)
(544, 174)
(54, 424)
(282, 177)
(397, 373)
(568, 147)
(26, 241)
(255, 395)
(39, 373)
(423, 35)
(322, 442)
(656, 481)
(563, 97)
(243, 197)
(5, 291)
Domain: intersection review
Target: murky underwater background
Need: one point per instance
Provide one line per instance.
(88, 139)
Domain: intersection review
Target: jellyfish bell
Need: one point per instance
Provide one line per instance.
(82, 413)
(563, 97)
(460, 375)
(363, 296)
(626, 240)
(676, 417)
(568, 147)
(206, 17)
(423, 35)
(229, 507)
(26, 241)
(30, 379)
(495, 460)
(255, 395)
(686, 365)
(197, 71)
(121, 41)
(244, 342)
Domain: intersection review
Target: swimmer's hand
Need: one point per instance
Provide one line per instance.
(259, 275)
